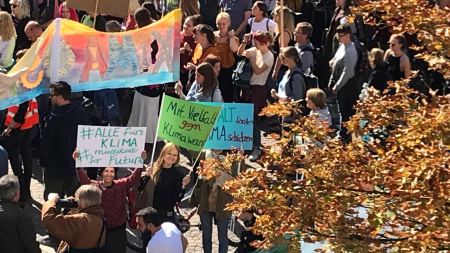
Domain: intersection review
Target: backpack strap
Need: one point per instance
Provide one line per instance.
(267, 24)
(251, 23)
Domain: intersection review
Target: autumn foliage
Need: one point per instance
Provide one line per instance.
(388, 190)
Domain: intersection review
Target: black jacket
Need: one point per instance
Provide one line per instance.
(16, 230)
(59, 139)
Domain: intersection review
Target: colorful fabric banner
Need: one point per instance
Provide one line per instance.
(234, 127)
(100, 146)
(91, 60)
(187, 124)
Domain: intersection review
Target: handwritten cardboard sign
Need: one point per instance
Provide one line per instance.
(234, 127)
(100, 146)
(117, 8)
(186, 124)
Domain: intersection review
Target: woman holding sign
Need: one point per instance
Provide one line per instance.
(114, 200)
(165, 185)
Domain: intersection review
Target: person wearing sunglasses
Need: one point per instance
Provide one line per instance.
(20, 10)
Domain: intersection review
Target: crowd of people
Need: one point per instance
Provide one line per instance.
(241, 51)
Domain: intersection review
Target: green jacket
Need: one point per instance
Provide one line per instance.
(17, 233)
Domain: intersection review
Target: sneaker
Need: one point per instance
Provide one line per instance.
(47, 241)
(256, 154)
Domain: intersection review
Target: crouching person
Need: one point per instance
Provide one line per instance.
(83, 228)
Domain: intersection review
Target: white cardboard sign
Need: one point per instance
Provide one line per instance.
(100, 146)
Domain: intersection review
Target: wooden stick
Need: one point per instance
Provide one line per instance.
(282, 24)
(95, 13)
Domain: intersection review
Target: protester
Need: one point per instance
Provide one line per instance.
(227, 44)
(146, 98)
(340, 15)
(7, 40)
(342, 71)
(205, 87)
(114, 200)
(166, 183)
(211, 204)
(67, 13)
(209, 11)
(59, 141)
(398, 62)
(187, 46)
(240, 11)
(166, 237)
(17, 231)
(206, 41)
(316, 101)
(19, 124)
(292, 85)
(287, 31)
(303, 34)
(83, 228)
(20, 10)
(262, 60)
(33, 30)
(260, 21)
(379, 76)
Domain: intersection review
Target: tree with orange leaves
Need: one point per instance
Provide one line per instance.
(386, 191)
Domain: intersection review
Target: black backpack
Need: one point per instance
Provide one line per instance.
(311, 81)
(242, 73)
(316, 56)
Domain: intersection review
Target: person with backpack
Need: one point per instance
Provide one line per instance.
(341, 81)
(306, 50)
(261, 60)
(260, 21)
(292, 85)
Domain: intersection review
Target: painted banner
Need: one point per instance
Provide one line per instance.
(91, 60)
(185, 123)
(100, 146)
(234, 127)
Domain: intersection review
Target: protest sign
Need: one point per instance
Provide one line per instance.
(100, 146)
(234, 127)
(186, 124)
(91, 60)
(117, 8)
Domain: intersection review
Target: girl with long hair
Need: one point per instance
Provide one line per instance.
(260, 21)
(166, 183)
(205, 87)
(398, 62)
(67, 13)
(292, 85)
(7, 40)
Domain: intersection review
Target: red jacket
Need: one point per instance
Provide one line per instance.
(114, 197)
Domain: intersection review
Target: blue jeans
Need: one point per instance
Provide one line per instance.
(206, 219)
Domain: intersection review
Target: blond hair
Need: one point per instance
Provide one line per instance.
(288, 19)
(24, 9)
(157, 166)
(225, 16)
(8, 30)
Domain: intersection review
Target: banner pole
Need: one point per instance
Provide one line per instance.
(95, 13)
(156, 134)
(281, 24)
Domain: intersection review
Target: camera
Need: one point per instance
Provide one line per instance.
(67, 203)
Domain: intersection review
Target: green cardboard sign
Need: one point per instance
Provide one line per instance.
(185, 123)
